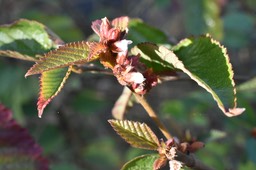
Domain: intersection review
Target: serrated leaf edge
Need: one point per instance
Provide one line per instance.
(227, 111)
(41, 104)
(231, 111)
(94, 48)
(149, 133)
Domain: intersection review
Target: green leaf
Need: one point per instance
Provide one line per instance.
(67, 55)
(205, 61)
(151, 58)
(137, 134)
(248, 85)
(25, 39)
(141, 162)
(51, 83)
(142, 32)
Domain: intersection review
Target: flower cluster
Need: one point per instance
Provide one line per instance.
(128, 69)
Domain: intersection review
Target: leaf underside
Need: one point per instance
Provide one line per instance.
(25, 39)
(67, 55)
(137, 134)
(51, 83)
(122, 104)
(141, 162)
(205, 61)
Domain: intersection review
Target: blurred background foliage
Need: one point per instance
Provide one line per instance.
(74, 132)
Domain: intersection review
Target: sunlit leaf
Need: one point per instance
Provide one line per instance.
(18, 150)
(25, 39)
(122, 104)
(205, 61)
(51, 83)
(137, 134)
(68, 54)
(121, 23)
(141, 162)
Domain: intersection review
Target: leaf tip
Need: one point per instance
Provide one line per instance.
(235, 112)
(27, 74)
(41, 104)
(111, 121)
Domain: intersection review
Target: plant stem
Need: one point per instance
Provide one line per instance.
(188, 160)
(153, 115)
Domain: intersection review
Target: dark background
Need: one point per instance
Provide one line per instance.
(74, 131)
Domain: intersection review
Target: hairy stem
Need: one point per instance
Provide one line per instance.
(153, 115)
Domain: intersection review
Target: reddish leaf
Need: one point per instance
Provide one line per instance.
(160, 162)
(67, 55)
(121, 23)
(18, 149)
(195, 146)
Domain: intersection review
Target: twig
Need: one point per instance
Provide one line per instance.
(188, 160)
(153, 115)
(92, 69)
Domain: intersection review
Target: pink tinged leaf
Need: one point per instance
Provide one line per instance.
(18, 148)
(122, 104)
(96, 26)
(67, 55)
(121, 23)
(51, 83)
(195, 146)
(234, 111)
(160, 162)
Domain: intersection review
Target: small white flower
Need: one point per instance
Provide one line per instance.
(136, 77)
(123, 45)
(175, 165)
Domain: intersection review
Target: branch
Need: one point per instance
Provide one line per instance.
(91, 69)
(188, 160)
(153, 115)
